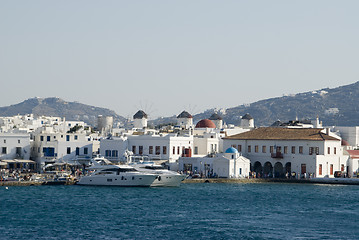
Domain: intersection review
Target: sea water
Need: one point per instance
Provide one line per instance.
(191, 211)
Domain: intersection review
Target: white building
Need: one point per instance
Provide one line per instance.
(154, 146)
(207, 139)
(350, 134)
(277, 151)
(14, 146)
(226, 165)
(353, 169)
(49, 146)
(104, 124)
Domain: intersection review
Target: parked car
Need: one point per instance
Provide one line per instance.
(340, 174)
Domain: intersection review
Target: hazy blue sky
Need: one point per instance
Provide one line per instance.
(166, 56)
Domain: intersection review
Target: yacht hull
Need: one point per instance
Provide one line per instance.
(168, 180)
(118, 180)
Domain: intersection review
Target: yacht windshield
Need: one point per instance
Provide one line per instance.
(154, 167)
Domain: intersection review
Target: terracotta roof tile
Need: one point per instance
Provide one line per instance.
(274, 133)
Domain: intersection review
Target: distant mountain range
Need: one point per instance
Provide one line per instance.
(59, 108)
(336, 106)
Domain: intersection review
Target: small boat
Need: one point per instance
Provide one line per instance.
(117, 175)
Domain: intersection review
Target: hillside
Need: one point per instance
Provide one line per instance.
(336, 106)
(61, 108)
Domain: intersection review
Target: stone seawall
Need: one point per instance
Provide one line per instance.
(343, 181)
(32, 183)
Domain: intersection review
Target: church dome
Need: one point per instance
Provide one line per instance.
(205, 123)
(345, 143)
(231, 150)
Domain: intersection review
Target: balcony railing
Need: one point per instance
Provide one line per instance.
(277, 155)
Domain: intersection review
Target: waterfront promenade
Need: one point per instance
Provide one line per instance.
(342, 181)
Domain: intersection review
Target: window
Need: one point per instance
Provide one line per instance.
(278, 149)
(140, 150)
(317, 150)
(301, 149)
(114, 153)
(239, 148)
(68, 150)
(134, 149)
(86, 150)
(48, 138)
(328, 150)
(150, 150)
(178, 150)
(18, 141)
(4, 140)
(41, 138)
(293, 149)
(76, 137)
(4, 150)
(271, 149)
(158, 150)
(195, 150)
(256, 148)
(320, 169)
(67, 137)
(310, 150)
(331, 169)
(164, 150)
(335, 150)
(49, 152)
(77, 151)
(264, 149)
(342, 167)
(174, 150)
(249, 148)
(108, 153)
(285, 149)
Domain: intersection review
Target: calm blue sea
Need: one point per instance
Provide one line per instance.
(191, 211)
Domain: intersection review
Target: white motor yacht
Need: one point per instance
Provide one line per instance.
(166, 178)
(118, 175)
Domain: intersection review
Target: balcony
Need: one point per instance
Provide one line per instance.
(277, 155)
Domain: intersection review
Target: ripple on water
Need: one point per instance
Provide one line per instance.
(213, 211)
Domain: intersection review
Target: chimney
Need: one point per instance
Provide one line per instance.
(327, 131)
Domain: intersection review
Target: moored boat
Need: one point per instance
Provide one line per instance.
(118, 175)
(166, 178)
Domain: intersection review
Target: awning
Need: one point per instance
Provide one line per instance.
(3, 164)
(9, 161)
(24, 161)
(18, 161)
